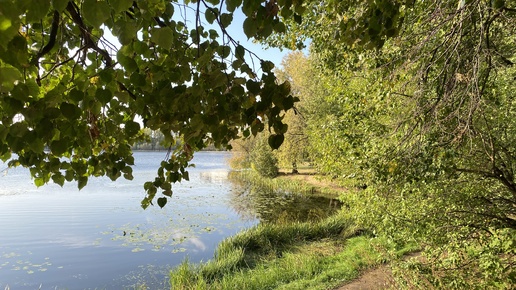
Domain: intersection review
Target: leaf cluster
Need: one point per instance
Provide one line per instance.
(72, 103)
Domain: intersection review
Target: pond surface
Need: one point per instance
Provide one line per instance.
(100, 237)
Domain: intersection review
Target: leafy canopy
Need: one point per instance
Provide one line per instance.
(422, 126)
(72, 103)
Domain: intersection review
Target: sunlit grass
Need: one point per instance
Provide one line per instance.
(281, 184)
(289, 256)
(319, 254)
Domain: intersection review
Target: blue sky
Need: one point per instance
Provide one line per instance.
(235, 30)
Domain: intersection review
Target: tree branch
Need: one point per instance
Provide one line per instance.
(51, 42)
(86, 35)
(53, 34)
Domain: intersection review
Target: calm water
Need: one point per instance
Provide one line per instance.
(100, 238)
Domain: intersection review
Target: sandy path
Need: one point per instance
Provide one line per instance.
(378, 278)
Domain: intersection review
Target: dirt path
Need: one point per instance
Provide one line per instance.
(378, 278)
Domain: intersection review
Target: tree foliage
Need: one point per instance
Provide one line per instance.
(423, 123)
(263, 159)
(66, 91)
(294, 150)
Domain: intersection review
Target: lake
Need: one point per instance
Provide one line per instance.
(100, 237)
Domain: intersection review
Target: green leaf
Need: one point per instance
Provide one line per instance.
(266, 30)
(298, 19)
(82, 181)
(103, 95)
(231, 5)
(275, 140)
(95, 12)
(163, 36)
(125, 31)
(59, 147)
(5, 23)
(267, 66)
(8, 77)
(162, 201)
(39, 181)
(138, 80)
(18, 129)
(58, 178)
(131, 128)
(240, 52)
(167, 192)
(213, 34)
(8, 30)
(37, 146)
(257, 127)
(59, 5)
(76, 95)
(280, 27)
(288, 103)
(120, 5)
(210, 16)
(250, 27)
(251, 6)
(253, 87)
(37, 10)
(69, 175)
(223, 51)
(70, 111)
(226, 19)
(128, 63)
(147, 185)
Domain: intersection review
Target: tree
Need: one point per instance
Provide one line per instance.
(153, 141)
(263, 159)
(66, 91)
(429, 129)
(294, 149)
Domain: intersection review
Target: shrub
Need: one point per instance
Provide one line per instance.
(263, 160)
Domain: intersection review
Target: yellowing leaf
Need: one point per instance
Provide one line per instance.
(163, 37)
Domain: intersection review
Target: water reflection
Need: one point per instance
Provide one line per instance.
(99, 237)
(217, 177)
(254, 202)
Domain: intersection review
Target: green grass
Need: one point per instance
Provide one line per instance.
(318, 255)
(281, 184)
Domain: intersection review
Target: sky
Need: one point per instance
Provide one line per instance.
(235, 30)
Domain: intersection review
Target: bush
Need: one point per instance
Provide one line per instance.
(263, 160)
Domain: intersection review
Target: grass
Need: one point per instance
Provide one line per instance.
(284, 183)
(318, 255)
(321, 254)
